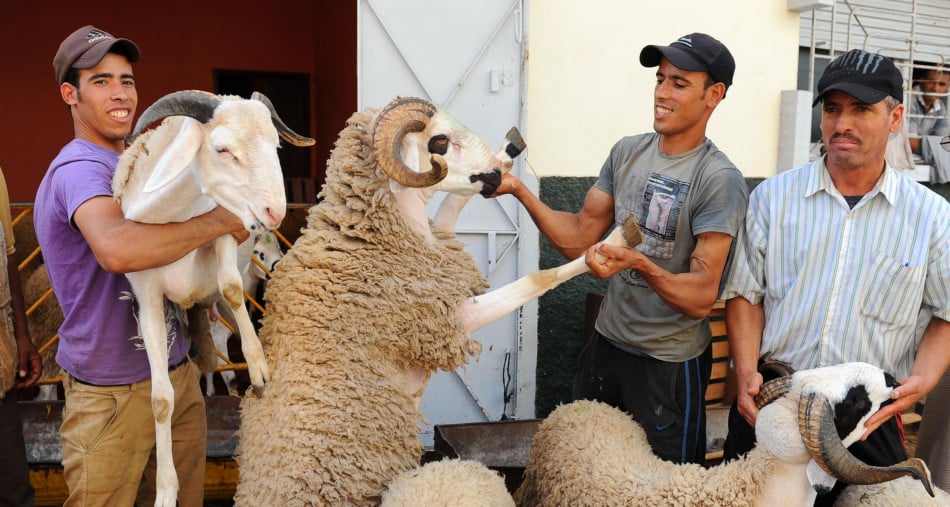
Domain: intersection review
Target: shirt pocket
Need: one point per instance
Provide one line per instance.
(894, 290)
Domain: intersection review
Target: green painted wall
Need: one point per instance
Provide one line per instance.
(561, 311)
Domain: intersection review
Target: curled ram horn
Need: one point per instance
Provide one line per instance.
(778, 381)
(193, 103)
(285, 132)
(773, 390)
(401, 117)
(816, 422)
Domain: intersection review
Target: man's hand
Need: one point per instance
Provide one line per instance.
(748, 388)
(30, 364)
(904, 397)
(509, 185)
(231, 221)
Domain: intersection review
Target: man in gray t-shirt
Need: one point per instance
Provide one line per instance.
(650, 353)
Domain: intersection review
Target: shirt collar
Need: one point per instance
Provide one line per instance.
(820, 180)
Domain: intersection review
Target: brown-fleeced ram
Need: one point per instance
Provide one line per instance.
(373, 298)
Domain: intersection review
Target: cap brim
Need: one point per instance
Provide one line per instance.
(94, 54)
(858, 91)
(650, 57)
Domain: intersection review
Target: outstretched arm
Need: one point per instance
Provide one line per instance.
(124, 246)
(570, 233)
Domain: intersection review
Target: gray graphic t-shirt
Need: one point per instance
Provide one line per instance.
(674, 198)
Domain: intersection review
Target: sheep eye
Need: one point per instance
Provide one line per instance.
(439, 144)
(221, 149)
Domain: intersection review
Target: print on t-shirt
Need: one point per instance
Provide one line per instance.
(173, 315)
(662, 201)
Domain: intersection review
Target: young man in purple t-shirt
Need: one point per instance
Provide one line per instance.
(108, 429)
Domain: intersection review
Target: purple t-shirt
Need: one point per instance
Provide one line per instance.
(99, 340)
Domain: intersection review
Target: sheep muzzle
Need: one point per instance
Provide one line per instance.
(490, 181)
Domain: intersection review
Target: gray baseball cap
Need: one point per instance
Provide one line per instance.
(85, 48)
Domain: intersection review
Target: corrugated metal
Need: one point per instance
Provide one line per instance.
(914, 33)
(906, 30)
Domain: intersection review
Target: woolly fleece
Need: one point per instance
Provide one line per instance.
(448, 483)
(587, 453)
(358, 300)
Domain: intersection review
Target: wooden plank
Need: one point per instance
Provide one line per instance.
(221, 478)
(715, 392)
(719, 370)
(720, 350)
(718, 327)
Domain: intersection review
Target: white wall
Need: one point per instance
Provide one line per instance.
(586, 87)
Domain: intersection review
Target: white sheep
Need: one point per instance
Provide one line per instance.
(264, 257)
(448, 483)
(588, 453)
(209, 151)
(367, 304)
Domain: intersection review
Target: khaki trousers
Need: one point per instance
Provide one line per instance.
(108, 435)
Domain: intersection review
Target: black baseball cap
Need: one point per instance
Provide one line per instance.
(696, 52)
(868, 77)
(85, 48)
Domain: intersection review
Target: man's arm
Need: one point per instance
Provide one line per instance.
(691, 293)
(930, 363)
(124, 246)
(30, 364)
(569, 233)
(745, 323)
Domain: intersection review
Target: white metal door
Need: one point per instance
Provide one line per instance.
(467, 56)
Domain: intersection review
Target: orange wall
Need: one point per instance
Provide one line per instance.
(181, 42)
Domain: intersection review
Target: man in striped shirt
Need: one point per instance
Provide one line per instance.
(839, 256)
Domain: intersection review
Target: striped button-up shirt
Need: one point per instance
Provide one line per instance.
(840, 284)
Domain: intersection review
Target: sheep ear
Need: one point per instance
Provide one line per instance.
(177, 156)
(822, 482)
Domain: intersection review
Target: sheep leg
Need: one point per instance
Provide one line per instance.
(479, 311)
(152, 329)
(231, 286)
(220, 334)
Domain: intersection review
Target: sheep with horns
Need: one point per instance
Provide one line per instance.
(373, 298)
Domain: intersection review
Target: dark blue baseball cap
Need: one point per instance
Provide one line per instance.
(697, 52)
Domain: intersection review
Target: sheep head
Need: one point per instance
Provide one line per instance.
(420, 145)
(832, 405)
(232, 143)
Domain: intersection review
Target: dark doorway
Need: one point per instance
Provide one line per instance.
(290, 93)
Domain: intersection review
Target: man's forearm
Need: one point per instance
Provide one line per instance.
(745, 323)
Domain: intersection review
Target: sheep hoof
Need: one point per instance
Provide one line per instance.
(631, 232)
